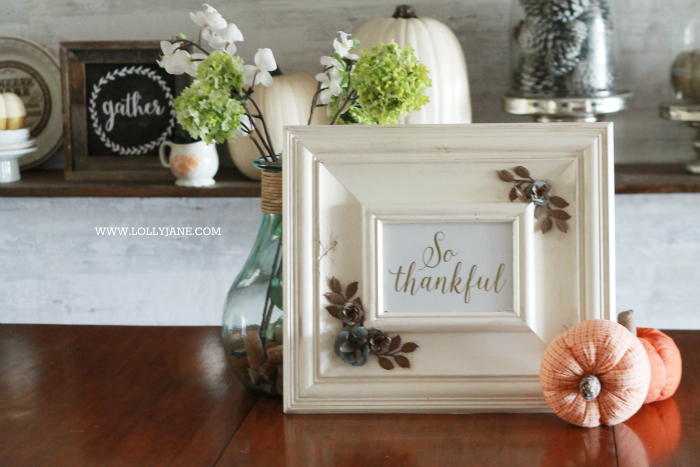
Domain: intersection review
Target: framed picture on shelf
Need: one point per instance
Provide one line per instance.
(117, 110)
(427, 267)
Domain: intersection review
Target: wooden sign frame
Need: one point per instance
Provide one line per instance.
(341, 183)
(79, 164)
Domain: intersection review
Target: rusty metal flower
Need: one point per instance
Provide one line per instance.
(379, 342)
(352, 346)
(540, 192)
(352, 313)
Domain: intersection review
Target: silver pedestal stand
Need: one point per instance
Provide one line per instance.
(566, 109)
(689, 113)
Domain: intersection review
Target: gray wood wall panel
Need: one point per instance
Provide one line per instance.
(300, 31)
(54, 268)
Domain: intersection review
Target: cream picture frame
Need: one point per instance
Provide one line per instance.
(343, 183)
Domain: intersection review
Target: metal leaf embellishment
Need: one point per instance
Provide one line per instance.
(354, 343)
(528, 189)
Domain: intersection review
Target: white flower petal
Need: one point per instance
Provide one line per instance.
(339, 48)
(209, 8)
(353, 56)
(265, 78)
(231, 49)
(192, 69)
(217, 42)
(325, 96)
(198, 18)
(215, 21)
(248, 74)
(335, 88)
(231, 33)
(168, 48)
(323, 78)
(207, 34)
(332, 62)
(264, 60)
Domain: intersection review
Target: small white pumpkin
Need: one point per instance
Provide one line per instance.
(287, 102)
(437, 47)
(13, 115)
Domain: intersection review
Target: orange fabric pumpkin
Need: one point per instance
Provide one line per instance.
(595, 352)
(666, 364)
(664, 358)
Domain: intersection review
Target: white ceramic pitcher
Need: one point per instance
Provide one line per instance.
(193, 164)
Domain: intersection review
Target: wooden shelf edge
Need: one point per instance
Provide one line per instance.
(629, 179)
(51, 184)
(655, 178)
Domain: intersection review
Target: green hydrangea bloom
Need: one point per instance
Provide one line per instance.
(390, 82)
(208, 112)
(222, 71)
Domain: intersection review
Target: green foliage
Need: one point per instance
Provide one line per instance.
(222, 71)
(206, 109)
(390, 82)
(208, 113)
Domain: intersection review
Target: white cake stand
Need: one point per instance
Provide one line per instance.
(9, 167)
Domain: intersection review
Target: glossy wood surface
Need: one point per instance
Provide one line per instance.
(139, 396)
(115, 396)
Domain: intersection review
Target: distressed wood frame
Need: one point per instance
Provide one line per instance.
(341, 183)
(78, 163)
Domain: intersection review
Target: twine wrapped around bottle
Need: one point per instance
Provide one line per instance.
(271, 193)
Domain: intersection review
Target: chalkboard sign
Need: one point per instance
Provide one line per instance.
(130, 108)
(118, 109)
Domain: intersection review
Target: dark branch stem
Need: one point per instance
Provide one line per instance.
(186, 43)
(351, 95)
(260, 135)
(267, 133)
(313, 102)
(254, 140)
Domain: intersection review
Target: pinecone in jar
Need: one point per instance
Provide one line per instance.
(564, 44)
(556, 10)
(533, 78)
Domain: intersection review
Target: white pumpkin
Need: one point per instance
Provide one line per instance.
(286, 102)
(13, 115)
(439, 50)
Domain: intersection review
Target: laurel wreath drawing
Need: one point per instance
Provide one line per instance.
(121, 73)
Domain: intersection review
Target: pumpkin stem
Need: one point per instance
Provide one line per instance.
(405, 12)
(626, 318)
(590, 387)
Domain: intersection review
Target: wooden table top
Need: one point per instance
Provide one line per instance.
(165, 396)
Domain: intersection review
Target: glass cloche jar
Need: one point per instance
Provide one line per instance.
(564, 59)
(685, 69)
(681, 100)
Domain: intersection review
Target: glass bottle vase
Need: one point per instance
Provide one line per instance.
(252, 321)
